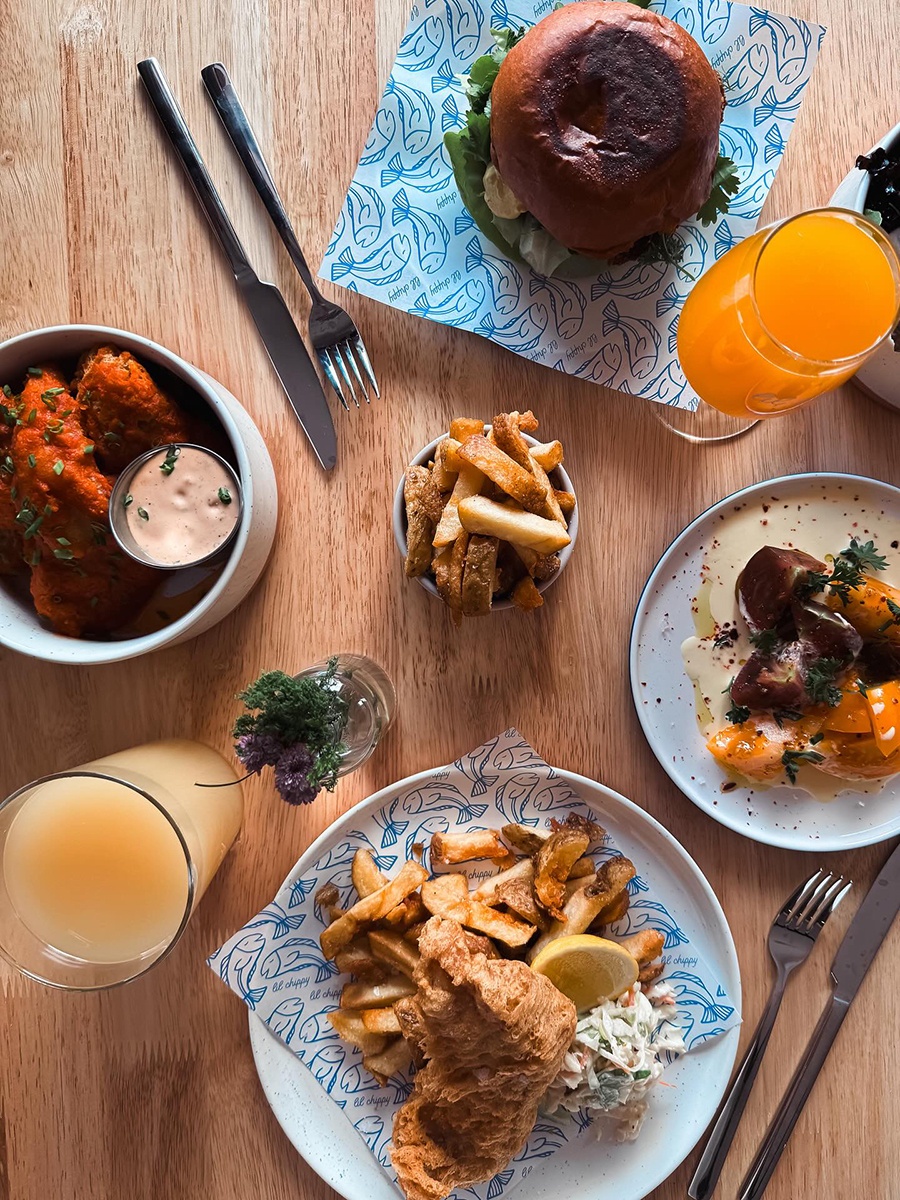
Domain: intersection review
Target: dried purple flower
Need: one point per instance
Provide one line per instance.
(258, 750)
(292, 775)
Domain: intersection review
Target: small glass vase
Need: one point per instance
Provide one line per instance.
(371, 705)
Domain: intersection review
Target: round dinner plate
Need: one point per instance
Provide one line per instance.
(664, 695)
(587, 1169)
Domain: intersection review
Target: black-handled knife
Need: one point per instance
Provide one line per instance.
(279, 334)
(855, 955)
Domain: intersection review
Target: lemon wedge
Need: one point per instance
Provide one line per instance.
(587, 969)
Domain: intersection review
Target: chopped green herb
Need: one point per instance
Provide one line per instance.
(786, 714)
(64, 541)
(63, 553)
(127, 499)
(864, 556)
(36, 372)
(57, 391)
(55, 427)
(143, 514)
(791, 760)
(738, 714)
(58, 467)
(765, 641)
(112, 438)
(13, 492)
(32, 416)
(66, 412)
(224, 495)
(862, 688)
(816, 738)
(819, 681)
(89, 448)
(8, 466)
(32, 461)
(725, 183)
(7, 390)
(33, 528)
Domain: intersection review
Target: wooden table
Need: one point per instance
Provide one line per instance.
(149, 1091)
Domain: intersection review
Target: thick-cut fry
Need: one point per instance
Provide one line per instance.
(469, 482)
(448, 574)
(423, 511)
(447, 896)
(551, 506)
(357, 959)
(381, 1020)
(478, 576)
(449, 848)
(506, 434)
(583, 905)
(391, 1061)
(371, 908)
(566, 501)
(526, 596)
(644, 946)
(349, 1026)
(613, 912)
(477, 514)
(392, 948)
(465, 427)
(365, 873)
(376, 995)
(407, 913)
(518, 895)
(522, 871)
(583, 867)
(548, 454)
(528, 840)
(578, 884)
(505, 472)
(545, 567)
(552, 865)
(446, 464)
(528, 422)
(502, 927)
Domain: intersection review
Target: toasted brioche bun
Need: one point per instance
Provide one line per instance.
(605, 123)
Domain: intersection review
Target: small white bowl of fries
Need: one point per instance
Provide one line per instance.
(485, 515)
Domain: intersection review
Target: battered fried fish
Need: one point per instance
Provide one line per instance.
(124, 411)
(493, 1035)
(10, 531)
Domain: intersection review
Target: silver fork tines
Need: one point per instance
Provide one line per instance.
(817, 900)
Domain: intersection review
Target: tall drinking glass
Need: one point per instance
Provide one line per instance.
(790, 313)
(102, 867)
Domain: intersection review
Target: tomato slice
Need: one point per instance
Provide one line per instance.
(852, 715)
(884, 707)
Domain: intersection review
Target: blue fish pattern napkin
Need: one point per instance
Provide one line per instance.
(404, 237)
(277, 968)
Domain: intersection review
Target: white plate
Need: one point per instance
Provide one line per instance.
(589, 1169)
(664, 696)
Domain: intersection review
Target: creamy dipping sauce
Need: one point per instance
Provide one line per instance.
(820, 524)
(181, 505)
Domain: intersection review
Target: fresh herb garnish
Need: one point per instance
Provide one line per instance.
(224, 495)
(89, 448)
(127, 499)
(864, 556)
(63, 541)
(36, 372)
(862, 688)
(143, 514)
(819, 681)
(781, 715)
(725, 183)
(32, 461)
(64, 554)
(792, 759)
(765, 641)
(738, 714)
(894, 619)
(58, 467)
(167, 466)
(112, 438)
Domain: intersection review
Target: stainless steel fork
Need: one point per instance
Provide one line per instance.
(791, 938)
(332, 332)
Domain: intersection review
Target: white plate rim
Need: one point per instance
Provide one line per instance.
(766, 837)
(262, 1041)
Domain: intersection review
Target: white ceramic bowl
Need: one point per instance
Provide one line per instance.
(560, 479)
(20, 627)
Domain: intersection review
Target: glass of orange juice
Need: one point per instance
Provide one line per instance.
(102, 867)
(791, 312)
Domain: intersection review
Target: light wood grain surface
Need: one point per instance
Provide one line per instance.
(149, 1092)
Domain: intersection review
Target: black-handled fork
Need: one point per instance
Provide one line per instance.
(331, 330)
(791, 938)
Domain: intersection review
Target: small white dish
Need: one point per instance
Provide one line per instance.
(561, 481)
(20, 627)
(880, 376)
(323, 1134)
(664, 695)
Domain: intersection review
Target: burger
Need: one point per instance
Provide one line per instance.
(591, 138)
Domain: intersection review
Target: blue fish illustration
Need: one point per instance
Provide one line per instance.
(316, 1028)
(501, 275)
(740, 146)
(508, 751)
(545, 1139)
(520, 334)
(341, 853)
(714, 17)
(442, 798)
(357, 1081)
(791, 41)
(429, 174)
(503, 17)
(422, 835)
(639, 337)
(672, 334)
(671, 299)
(365, 210)
(725, 239)
(370, 1129)
(462, 222)
(668, 386)
(703, 1035)
(583, 1118)
(636, 885)
(692, 992)
(567, 303)
(443, 78)
(602, 367)
(300, 889)
(784, 108)
(383, 266)
(528, 791)
(649, 914)
(451, 117)
(414, 112)
(749, 201)
(237, 967)
(381, 135)
(274, 915)
(498, 1183)
(695, 248)
(465, 19)
(632, 283)
(421, 45)
(458, 309)
(474, 764)
(430, 234)
(744, 79)
(327, 1064)
(297, 954)
(284, 1018)
(387, 820)
(774, 143)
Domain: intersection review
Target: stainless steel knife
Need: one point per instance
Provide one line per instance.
(279, 334)
(855, 955)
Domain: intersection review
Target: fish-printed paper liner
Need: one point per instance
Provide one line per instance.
(276, 966)
(405, 238)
